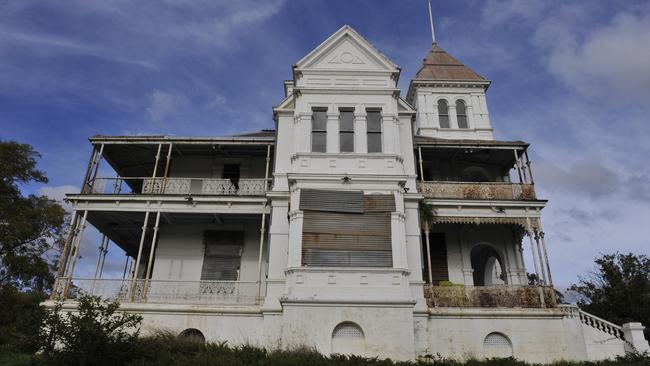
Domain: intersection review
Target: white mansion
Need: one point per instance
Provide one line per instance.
(365, 223)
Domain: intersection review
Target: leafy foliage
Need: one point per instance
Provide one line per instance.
(20, 319)
(29, 226)
(96, 333)
(619, 289)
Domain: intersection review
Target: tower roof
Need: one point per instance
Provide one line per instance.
(439, 65)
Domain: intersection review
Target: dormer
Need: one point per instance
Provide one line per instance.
(449, 98)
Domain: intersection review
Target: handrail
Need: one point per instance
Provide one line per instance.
(477, 190)
(179, 185)
(159, 291)
(593, 320)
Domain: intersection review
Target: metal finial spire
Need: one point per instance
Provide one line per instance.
(433, 33)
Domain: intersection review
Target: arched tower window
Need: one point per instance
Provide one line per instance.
(497, 345)
(348, 338)
(443, 113)
(461, 114)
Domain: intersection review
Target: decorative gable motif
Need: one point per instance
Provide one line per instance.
(346, 50)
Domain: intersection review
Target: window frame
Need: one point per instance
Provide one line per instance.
(440, 115)
(378, 132)
(318, 132)
(346, 132)
(461, 102)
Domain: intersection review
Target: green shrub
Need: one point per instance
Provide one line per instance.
(96, 334)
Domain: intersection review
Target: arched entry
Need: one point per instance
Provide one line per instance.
(348, 339)
(488, 267)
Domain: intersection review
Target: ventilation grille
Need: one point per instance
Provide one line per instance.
(496, 339)
(347, 331)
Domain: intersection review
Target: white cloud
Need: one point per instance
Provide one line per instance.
(58, 193)
(218, 101)
(610, 62)
(163, 104)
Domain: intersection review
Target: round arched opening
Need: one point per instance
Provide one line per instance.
(487, 265)
(192, 334)
(348, 339)
(497, 345)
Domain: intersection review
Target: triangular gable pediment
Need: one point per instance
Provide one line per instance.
(346, 50)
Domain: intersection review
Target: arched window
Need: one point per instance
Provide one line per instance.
(348, 338)
(497, 345)
(443, 113)
(461, 114)
(192, 334)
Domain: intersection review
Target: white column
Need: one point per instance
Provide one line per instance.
(541, 259)
(333, 132)
(302, 132)
(548, 267)
(295, 239)
(398, 244)
(532, 248)
(388, 133)
(134, 275)
(360, 133)
(453, 120)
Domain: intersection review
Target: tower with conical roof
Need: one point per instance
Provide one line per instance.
(449, 98)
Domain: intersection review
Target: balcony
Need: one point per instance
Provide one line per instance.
(179, 186)
(477, 191)
(160, 291)
(490, 296)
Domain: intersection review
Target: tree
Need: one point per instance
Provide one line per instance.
(29, 225)
(619, 289)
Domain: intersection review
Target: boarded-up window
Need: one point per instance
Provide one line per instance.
(346, 229)
(222, 256)
(439, 269)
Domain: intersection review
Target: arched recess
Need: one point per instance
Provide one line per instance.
(488, 266)
(443, 113)
(348, 338)
(497, 345)
(192, 334)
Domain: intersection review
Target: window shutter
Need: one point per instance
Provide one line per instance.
(222, 257)
(346, 229)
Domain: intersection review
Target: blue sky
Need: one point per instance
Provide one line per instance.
(570, 77)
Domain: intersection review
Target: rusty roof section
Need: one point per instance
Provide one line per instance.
(439, 65)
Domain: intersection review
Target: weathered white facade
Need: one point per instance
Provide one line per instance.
(364, 223)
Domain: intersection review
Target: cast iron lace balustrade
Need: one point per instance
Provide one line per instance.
(490, 296)
(477, 191)
(179, 186)
(160, 291)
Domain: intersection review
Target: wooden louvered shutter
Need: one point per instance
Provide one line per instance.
(439, 268)
(222, 256)
(346, 229)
